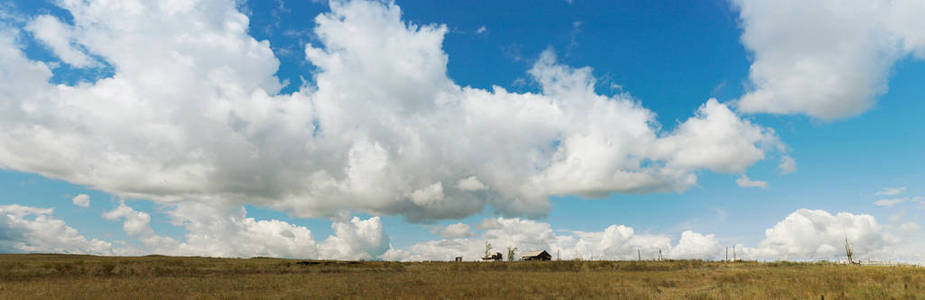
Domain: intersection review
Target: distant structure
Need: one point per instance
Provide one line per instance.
(537, 255)
(494, 257)
(459, 259)
(491, 257)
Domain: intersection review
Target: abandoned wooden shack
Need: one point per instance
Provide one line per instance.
(494, 257)
(536, 255)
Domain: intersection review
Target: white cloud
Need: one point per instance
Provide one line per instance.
(614, 242)
(471, 183)
(456, 230)
(617, 242)
(137, 225)
(693, 245)
(803, 235)
(893, 201)
(210, 231)
(213, 231)
(223, 232)
(489, 223)
(787, 165)
(500, 233)
(9, 14)
(428, 195)
(828, 59)
(82, 200)
(717, 139)
(31, 229)
(909, 227)
(381, 107)
(890, 191)
(482, 29)
(817, 234)
(358, 239)
(59, 38)
(744, 181)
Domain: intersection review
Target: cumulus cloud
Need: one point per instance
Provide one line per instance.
(828, 59)
(909, 227)
(804, 235)
(787, 165)
(694, 245)
(59, 38)
(380, 107)
(226, 232)
(526, 235)
(744, 181)
(618, 242)
(471, 184)
(816, 234)
(357, 239)
(137, 225)
(215, 231)
(82, 200)
(614, 242)
(716, 139)
(32, 229)
(456, 230)
(210, 231)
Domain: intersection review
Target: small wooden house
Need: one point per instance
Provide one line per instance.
(541, 255)
(494, 257)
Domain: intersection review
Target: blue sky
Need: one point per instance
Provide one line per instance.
(668, 58)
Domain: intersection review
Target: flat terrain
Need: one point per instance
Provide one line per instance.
(78, 276)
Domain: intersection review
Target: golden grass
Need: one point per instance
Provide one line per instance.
(93, 277)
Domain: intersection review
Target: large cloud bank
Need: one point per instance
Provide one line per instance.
(805, 234)
(193, 113)
(32, 229)
(209, 232)
(828, 58)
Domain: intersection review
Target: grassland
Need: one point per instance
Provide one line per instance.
(74, 276)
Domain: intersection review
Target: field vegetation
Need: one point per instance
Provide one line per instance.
(78, 276)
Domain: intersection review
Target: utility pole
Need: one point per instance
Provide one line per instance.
(557, 255)
(727, 254)
(660, 254)
(638, 255)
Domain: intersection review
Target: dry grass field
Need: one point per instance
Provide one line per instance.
(77, 276)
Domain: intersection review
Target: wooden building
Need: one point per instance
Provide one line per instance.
(536, 255)
(494, 257)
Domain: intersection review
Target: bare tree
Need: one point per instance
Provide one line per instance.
(510, 253)
(487, 249)
(848, 251)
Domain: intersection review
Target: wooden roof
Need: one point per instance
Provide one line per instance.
(535, 253)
